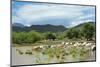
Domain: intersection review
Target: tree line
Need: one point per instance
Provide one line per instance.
(87, 32)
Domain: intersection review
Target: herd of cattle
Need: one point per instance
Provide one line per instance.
(88, 45)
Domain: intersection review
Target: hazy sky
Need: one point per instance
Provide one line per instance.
(29, 13)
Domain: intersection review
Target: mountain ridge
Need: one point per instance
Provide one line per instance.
(44, 28)
(40, 28)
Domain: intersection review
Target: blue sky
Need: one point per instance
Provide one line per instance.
(30, 13)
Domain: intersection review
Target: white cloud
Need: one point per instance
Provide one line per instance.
(37, 12)
(32, 13)
(75, 23)
(86, 16)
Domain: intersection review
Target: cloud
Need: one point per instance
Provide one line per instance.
(34, 13)
(38, 12)
(75, 23)
(86, 16)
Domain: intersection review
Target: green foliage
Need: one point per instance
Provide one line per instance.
(19, 37)
(72, 33)
(23, 37)
(60, 35)
(50, 35)
(88, 31)
(33, 37)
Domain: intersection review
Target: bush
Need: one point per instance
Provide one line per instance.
(19, 38)
(50, 35)
(60, 35)
(33, 37)
(26, 37)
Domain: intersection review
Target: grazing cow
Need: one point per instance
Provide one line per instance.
(88, 44)
(41, 46)
(70, 43)
(37, 48)
(67, 43)
(60, 46)
(76, 44)
(63, 43)
(84, 43)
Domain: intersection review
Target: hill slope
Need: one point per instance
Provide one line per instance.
(44, 28)
(40, 28)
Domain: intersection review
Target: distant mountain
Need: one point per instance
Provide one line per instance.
(18, 25)
(40, 28)
(44, 28)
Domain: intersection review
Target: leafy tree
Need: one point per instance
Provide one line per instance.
(88, 31)
(50, 35)
(72, 33)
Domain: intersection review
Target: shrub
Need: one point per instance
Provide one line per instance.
(26, 37)
(33, 37)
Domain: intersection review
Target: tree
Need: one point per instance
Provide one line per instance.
(50, 35)
(72, 33)
(88, 31)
